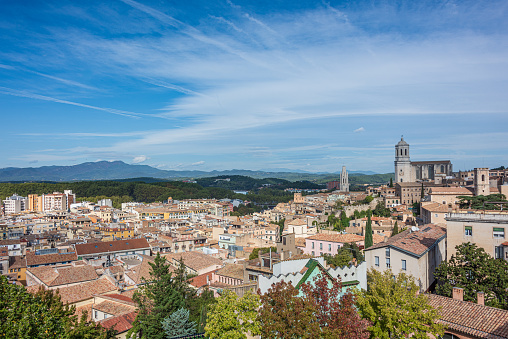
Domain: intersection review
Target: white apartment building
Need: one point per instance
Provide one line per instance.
(58, 201)
(15, 204)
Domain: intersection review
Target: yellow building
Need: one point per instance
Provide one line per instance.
(111, 234)
(35, 203)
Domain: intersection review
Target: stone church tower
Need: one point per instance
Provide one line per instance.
(481, 181)
(402, 162)
(344, 180)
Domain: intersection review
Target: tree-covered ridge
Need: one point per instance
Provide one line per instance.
(124, 191)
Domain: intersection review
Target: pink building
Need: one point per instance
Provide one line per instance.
(320, 244)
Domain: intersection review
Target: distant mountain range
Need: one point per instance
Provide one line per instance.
(113, 170)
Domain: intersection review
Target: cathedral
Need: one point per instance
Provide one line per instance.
(415, 171)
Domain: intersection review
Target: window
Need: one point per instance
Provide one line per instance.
(498, 232)
(388, 252)
(313, 253)
(498, 252)
(376, 261)
(320, 245)
(313, 246)
(403, 265)
(388, 263)
(468, 230)
(95, 314)
(329, 247)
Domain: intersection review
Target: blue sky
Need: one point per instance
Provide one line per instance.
(310, 85)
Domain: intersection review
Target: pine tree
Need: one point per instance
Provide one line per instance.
(178, 324)
(368, 233)
(164, 292)
(395, 229)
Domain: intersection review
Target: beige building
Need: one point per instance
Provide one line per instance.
(411, 192)
(485, 229)
(448, 195)
(415, 251)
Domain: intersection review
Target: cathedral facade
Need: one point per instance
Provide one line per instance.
(414, 171)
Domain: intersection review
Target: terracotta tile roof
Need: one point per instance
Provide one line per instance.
(342, 238)
(201, 280)
(137, 273)
(121, 323)
(53, 276)
(33, 259)
(470, 318)
(234, 271)
(436, 207)
(17, 262)
(112, 246)
(297, 222)
(417, 242)
(451, 190)
(86, 290)
(195, 260)
(121, 297)
(300, 242)
(113, 308)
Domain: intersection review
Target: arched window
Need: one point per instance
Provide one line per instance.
(483, 177)
(406, 151)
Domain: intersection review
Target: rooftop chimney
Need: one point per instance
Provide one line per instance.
(481, 298)
(458, 293)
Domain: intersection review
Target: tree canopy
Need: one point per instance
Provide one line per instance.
(164, 293)
(395, 308)
(345, 256)
(319, 311)
(231, 317)
(482, 202)
(43, 315)
(474, 270)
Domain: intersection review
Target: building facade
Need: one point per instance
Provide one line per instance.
(412, 171)
(486, 230)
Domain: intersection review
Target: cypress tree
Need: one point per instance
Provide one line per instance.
(368, 233)
(395, 229)
(391, 182)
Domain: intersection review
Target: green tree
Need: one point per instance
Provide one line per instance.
(178, 324)
(232, 317)
(381, 210)
(261, 250)
(395, 229)
(345, 256)
(395, 308)
(163, 293)
(391, 182)
(43, 315)
(368, 233)
(474, 270)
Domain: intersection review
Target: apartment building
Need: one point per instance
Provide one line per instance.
(415, 251)
(486, 229)
(15, 204)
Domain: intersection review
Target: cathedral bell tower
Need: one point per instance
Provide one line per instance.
(402, 162)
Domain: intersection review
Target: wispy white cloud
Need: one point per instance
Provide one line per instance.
(359, 130)
(198, 163)
(25, 94)
(139, 159)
